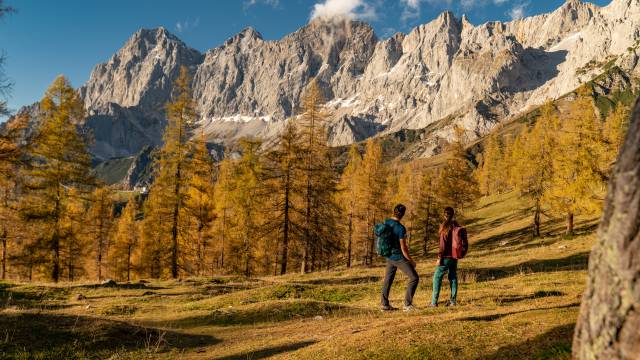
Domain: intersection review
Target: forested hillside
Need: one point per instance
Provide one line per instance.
(295, 206)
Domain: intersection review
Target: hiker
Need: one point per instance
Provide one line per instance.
(453, 246)
(398, 258)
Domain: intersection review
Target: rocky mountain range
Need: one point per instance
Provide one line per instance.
(444, 73)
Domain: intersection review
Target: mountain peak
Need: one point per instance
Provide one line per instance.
(246, 34)
(251, 33)
(153, 34)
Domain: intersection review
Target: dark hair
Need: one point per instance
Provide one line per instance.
(399, 211)
(447, 224)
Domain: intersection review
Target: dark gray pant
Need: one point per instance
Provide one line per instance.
(390, 274)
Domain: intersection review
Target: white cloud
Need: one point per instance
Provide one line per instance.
(352, 9)
(500, 2)
(250, 3)
(414, 4)
(518, 11)
(411, 9)
(467, 4)
(185, 25)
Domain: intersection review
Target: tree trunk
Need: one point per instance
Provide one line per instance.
(4, 253)
(425, 241)
(55, 240)
(609, 317)
(247, 254)
(569, 224)
(536, 221)
(285, 230)
(174, 226)
(224, 229)
(129, 263)
(350, 240)
(99, 260)
(55, 273)
(201, 249)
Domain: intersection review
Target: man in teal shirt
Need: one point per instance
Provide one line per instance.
(399, 259)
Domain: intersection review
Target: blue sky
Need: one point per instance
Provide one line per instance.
(46, 38)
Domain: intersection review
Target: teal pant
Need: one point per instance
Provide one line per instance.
(449, 266)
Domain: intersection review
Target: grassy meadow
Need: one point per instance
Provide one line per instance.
(518, 299)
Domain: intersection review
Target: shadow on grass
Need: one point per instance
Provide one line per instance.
(118, 286)
(493, 317)
(44, 335)
(268, 352)
(343, 281)
(476, 226)
(261, 313)
(577, 261)
(523, 238)
(520, 236)
(555, 343)
(537, 295)
(36, 297)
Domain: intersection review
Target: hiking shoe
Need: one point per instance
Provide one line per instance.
(409, 308)
(432, 305)
(387, 308)
(451, 303)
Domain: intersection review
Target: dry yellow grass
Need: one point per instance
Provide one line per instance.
(519, 299)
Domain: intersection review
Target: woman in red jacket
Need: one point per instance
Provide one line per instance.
(446, 262)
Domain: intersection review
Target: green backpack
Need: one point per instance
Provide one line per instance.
(384, 234)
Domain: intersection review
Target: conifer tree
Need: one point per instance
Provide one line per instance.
(170, 186)
(372, 182)
(126, 238)
(60, 162)
(153, 234)
(348, 198)
(285, 164)
(325, 212)
(223, 223)
(427, 211)
(579, 168)
(199, 203)
(456, 184)
(490, 172)
(100, 219)
(319, 178)
(615, 129)
(74, 235)
(409, 186)
(247, 201)
(531, 166)
(11, 154)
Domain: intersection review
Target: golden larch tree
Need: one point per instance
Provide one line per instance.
(456, 184)
(126, 238)
(171, 183)
(100, 220)
(285, 164)
(580, 165)
(60, 162)
(348, 198)
(199, 203)
(372, 185)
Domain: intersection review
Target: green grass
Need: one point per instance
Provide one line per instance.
(518, 299)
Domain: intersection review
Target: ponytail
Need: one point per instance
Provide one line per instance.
(447, 224)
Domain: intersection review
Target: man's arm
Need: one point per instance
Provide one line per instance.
(405, 251)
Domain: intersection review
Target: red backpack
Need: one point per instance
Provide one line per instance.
(460, 244)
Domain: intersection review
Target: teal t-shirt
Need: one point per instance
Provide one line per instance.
(399, 232)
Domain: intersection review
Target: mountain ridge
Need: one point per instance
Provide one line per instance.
(476, 76)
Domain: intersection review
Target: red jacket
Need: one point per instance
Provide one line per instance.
(446, 243)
